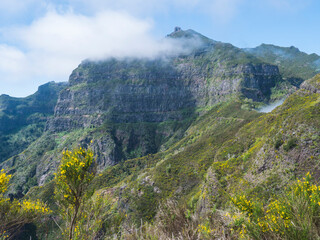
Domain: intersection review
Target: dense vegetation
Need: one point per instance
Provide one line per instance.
(22, 120)
(236, 174)
(216, 168)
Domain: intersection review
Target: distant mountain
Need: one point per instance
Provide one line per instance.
(22, 120)
(294, 65)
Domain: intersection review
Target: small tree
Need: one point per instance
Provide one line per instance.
(74, 174)
(15, 214)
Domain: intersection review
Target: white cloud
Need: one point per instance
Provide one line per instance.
(52, 46)
(12, 59)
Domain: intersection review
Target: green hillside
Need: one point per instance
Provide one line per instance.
(180, 150)
(225, 153)
(22, 120)
(294, 65)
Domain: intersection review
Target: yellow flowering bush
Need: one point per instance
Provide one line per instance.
(244, 204)
(15, 214)
(4, 181)
(31, 207)
(292, 215)
(73, 176)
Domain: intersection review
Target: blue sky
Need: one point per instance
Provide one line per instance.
(44, 40)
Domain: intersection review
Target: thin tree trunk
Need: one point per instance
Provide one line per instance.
(73, 222)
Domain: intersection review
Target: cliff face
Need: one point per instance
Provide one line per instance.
(312, 85)
(140, 104)
(121, 91)
(154, 91)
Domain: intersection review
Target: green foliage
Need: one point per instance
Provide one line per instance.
(292, 215)
(15, 214)
(74, 174)
(95, 213)
(292, 142)
(294, 65)
(22, 120)
(278, 143)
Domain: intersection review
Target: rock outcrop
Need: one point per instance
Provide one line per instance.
(154, 90)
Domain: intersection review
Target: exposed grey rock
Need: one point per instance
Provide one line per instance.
(153, 91)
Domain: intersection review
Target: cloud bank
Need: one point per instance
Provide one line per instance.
(52, 46)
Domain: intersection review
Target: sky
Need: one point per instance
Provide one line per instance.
(44, 40)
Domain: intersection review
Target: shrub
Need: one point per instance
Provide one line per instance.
(74, 174)
(293, 215)
(15, 214)
(292, 142)
(278, 143)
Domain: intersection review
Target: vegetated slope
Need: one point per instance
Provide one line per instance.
(22, 120)
(227, 152)
(274, 149)
(223, 155)
(128, 108)
(294, 65)
(140, 184)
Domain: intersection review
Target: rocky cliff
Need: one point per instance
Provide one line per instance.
(127, 91)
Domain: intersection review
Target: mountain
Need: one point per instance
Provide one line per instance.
(173, 127)
(22, 120)
(227, 151)
(294, 65)
(134, 107)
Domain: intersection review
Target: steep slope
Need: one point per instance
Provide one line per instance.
(274, 149)
(224, 153)
(22, 120)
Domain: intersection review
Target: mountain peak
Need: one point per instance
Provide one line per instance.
(177, 29)
(179, 33)
(190, 34)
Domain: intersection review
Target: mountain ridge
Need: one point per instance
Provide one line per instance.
(163, 94)
(175, 128)
(177, 118)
